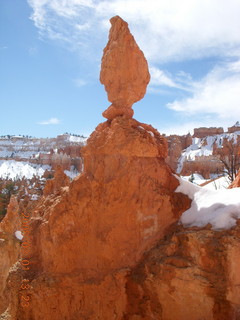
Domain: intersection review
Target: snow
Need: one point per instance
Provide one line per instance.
(11, 169)
(220, 208)
(34, 197)
(18, 235)
(73, 173)
(219, 183)
(197, 178)
(77, 139)
(151, 133)
(204, 147)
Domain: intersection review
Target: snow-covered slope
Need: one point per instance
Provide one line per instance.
(11, 169)
(222, 182)
(204, 147)
(220, 208)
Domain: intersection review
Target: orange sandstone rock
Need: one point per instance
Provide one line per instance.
(88, 236)
(192, 274)
(9, 247)
(124, 70)
(54, 185)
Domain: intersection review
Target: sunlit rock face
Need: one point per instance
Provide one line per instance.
(124, 70)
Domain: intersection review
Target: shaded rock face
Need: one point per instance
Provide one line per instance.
(124, 70)
(192, 274)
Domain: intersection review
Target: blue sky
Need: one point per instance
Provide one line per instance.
(51, 53)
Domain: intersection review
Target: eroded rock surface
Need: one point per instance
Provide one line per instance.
(9, 247)
(124, 70)
(87, 237)
(192, 274)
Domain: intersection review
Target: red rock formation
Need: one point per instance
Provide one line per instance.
(204, 165)
(204, 132)
(176, 144)
(124, 70)
(54, 185)
(9, 246)
(88, 236)
(234, 128)
(192, 274)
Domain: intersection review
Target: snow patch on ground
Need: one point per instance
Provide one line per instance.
(220, 208)
(78, 139)
(195, 177)
(216, 184)
(220, 183)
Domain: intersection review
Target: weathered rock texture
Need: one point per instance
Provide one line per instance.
(124, 70)
(9, 247)
(176, 144)
(192, 274)
(204, 132)
(88, 236)
(54, 185)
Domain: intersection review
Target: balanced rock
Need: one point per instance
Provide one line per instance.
(88, 236)
(124, 70)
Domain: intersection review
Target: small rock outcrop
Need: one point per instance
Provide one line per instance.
(124, 70)
(204, 132)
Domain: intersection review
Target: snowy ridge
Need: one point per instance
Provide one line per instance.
(220, 208)
(204, 147)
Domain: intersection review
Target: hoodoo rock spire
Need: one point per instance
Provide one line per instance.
(124, 70)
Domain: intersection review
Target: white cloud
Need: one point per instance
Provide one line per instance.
(217, 94)
(161, 78)
(67, 21)
(50, 121)
(165, 30)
